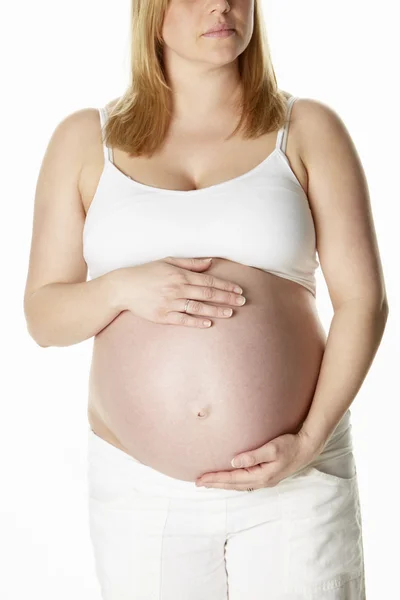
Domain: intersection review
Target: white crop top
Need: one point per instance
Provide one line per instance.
(261, 219)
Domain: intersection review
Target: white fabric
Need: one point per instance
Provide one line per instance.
(261, 219)
(161, 538)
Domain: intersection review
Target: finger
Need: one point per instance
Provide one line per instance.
(195, 307)
(185, 320)
(209, 280)
(251, 484)
(236, 476)
(210, 294)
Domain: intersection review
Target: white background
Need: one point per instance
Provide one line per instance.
(60, 57)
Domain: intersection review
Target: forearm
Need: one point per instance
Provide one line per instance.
(63, 314)
(354, 337)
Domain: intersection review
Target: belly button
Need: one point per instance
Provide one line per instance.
(202, 413)
(197, 408)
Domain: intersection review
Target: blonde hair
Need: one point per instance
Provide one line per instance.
(139, 121)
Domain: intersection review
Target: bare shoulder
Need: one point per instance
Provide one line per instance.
(84, 124)
(320, 128)
(88, 122)
(75, 133)
(66, 150)
(327, 150)
(324, 143)
(77, 125)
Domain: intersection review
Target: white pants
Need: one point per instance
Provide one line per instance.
(160, 538)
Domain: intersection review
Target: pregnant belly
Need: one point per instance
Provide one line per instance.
(185, 401)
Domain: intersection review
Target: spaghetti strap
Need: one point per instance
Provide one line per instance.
(108, 154)
(277, 233)
(281, 139)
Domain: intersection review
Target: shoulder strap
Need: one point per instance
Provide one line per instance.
(281, 139)
(108, 155)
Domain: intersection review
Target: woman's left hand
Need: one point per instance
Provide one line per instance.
(265, 466)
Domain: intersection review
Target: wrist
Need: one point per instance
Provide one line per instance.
(314, 443)
(114, 283)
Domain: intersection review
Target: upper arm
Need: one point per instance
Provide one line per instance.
(56, 253)
(340, 204)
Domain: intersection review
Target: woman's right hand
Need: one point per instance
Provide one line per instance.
(158, 291)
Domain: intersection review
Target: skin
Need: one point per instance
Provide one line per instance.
(204, 77)
(203, 72)
(237, 370)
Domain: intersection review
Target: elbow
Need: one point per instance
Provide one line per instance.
(34, 331)
(32, 325)
(385, 308)
(382, 310)
(36, 337)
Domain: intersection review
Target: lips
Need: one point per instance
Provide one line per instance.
(219, 28)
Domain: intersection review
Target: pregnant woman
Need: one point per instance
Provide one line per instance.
(196, 363)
